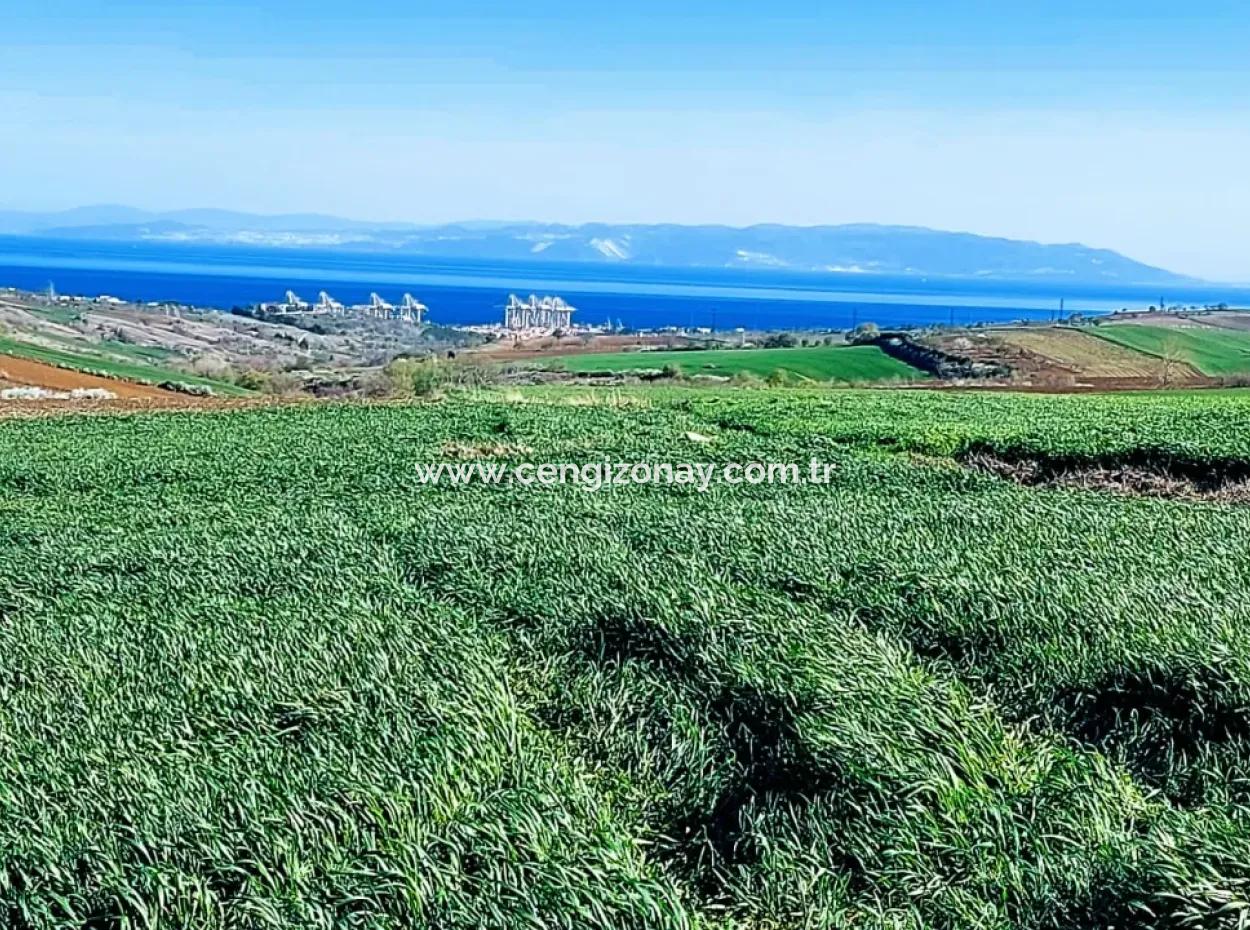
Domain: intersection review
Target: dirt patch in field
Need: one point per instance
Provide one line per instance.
(21, 372)
(471, 451)
(1139, 475)
(988, 349)
(1190, 319)
(1231, 319)
(168, 402)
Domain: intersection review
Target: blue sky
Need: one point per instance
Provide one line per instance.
(1122, 125)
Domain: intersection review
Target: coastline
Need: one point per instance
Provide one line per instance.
(463, 292)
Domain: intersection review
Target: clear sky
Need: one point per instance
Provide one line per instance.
(1117, 124)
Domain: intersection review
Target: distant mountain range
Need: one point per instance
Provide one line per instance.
(849, 249)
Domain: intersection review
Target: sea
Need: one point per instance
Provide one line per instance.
(468, 291)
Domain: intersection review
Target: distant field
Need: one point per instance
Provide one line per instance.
(1089, 356)
(113, 349)
(156, 354)
(130, 371)
(62, 315)
(1214, 352)
(820, 363)
(1232, 319)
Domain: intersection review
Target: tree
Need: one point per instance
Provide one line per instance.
(864, 332)
(778, 377)
(780, 341)
(1173, 358)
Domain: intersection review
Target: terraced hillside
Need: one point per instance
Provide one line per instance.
(255, 673)
(1092, 359)
(136, 334)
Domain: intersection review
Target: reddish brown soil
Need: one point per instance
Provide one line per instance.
(25, 373)
(167, 402)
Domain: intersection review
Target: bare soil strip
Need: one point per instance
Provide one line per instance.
(168, 403)
(1130, 475)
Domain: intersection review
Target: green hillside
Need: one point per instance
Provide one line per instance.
(821, 363)
(1214, 352)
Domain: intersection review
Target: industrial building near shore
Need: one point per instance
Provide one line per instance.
(549, 313)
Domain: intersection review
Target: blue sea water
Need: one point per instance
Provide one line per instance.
(472, 291)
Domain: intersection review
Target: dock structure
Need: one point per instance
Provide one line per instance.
(327, 304)
(550, 313)
(410, 310)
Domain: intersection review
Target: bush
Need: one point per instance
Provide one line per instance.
(864, 333)
(182, 387)
(207, 366)
(778, 378)
(254, 380)
(746, 379)
(283, 382)
(420, 377)
(377, 384)
(269, 382)
(781, 341)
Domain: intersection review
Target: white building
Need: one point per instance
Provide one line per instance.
(537, 313)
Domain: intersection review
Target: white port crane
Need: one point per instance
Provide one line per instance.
(413, 308)
(327, 304)
(410, 310)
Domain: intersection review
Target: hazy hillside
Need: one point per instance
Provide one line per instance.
(851, 249)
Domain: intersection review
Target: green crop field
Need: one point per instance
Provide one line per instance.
(56, 314)
(820, 363)
(1217, 353)
(255, 673)
(155, 354)
(97, 361)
